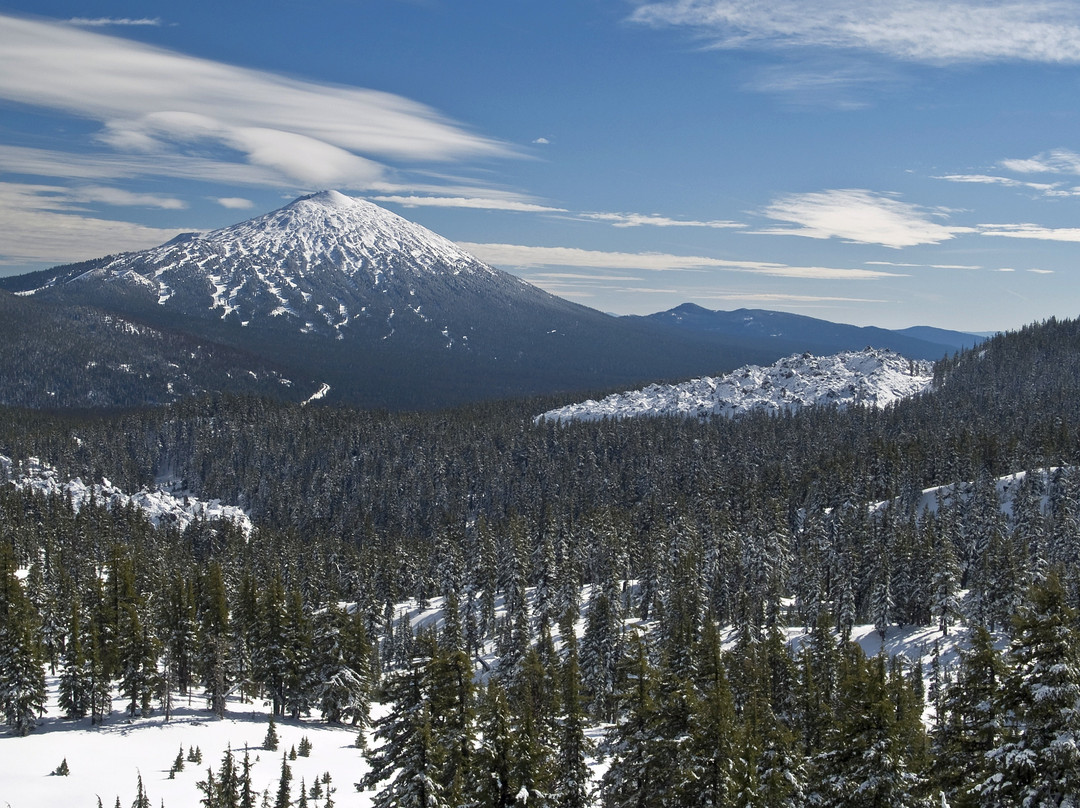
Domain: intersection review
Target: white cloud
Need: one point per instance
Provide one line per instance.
(518, 256)
(1051, 189)
(102, 22)
(43, 224)
(117, 196)
(1056, 161)
(477, 203)
(159, 104)
(542, 141)
(859, 216)
(922, 266)
(580, 276)
(1032, 231)
(927, 31)
(234, 202)
(51, 163)
(780, 297)
(1042, 271)
(653, 220)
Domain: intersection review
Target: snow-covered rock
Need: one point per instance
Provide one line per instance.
(162, 507)
(870, 377)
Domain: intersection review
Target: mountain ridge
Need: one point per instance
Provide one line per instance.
(799, 332)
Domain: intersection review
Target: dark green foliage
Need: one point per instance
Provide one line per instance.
(22, 675)
(270, 741)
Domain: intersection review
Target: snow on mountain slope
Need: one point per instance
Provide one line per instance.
(870, 377)
(325, 263)
(162, 507)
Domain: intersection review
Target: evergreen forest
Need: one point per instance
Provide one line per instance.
(673, 597)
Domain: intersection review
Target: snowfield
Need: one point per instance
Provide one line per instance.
(106, 761)
(870, 377)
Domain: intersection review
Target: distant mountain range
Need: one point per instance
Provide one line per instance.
(800, 333)
(336, 291)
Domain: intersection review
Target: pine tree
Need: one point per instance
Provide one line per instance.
(215, 637)
(141, 799)
(572, 779)
(341, 667)
(865, 761)
(247, 796)
(284, 794)
(178, 763)
(138, 661)
(22, 675)
(270, 741)
(299, 674)
(75, 678)
(228, 782)
(497, 786)
(100, 686)
(640, 750)
(969, 725)
(1038, 762)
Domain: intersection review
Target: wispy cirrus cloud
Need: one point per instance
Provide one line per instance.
(925, 31)
(1055, 161)
(523, 257)
(1047, 188)
(838, 83)
(105, 22)
(859, 216)
(508, 203)
(921, 266)
(234, 202)
(654, 220)
(44, 224)
(1031, 231)
(154, 102)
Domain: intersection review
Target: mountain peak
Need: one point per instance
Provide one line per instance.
(330, 198)
(330, 229)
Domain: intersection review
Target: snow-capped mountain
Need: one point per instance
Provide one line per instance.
(326, 263)
(870, 377)
(382, 310)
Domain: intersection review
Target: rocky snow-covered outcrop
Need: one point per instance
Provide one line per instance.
(870, 377)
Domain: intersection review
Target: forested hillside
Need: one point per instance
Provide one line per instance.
(585, 574)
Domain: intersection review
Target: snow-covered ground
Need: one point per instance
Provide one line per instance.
(107, 761)
(164, 504)
(870, 377)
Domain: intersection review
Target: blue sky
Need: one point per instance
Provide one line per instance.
(867, 161)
